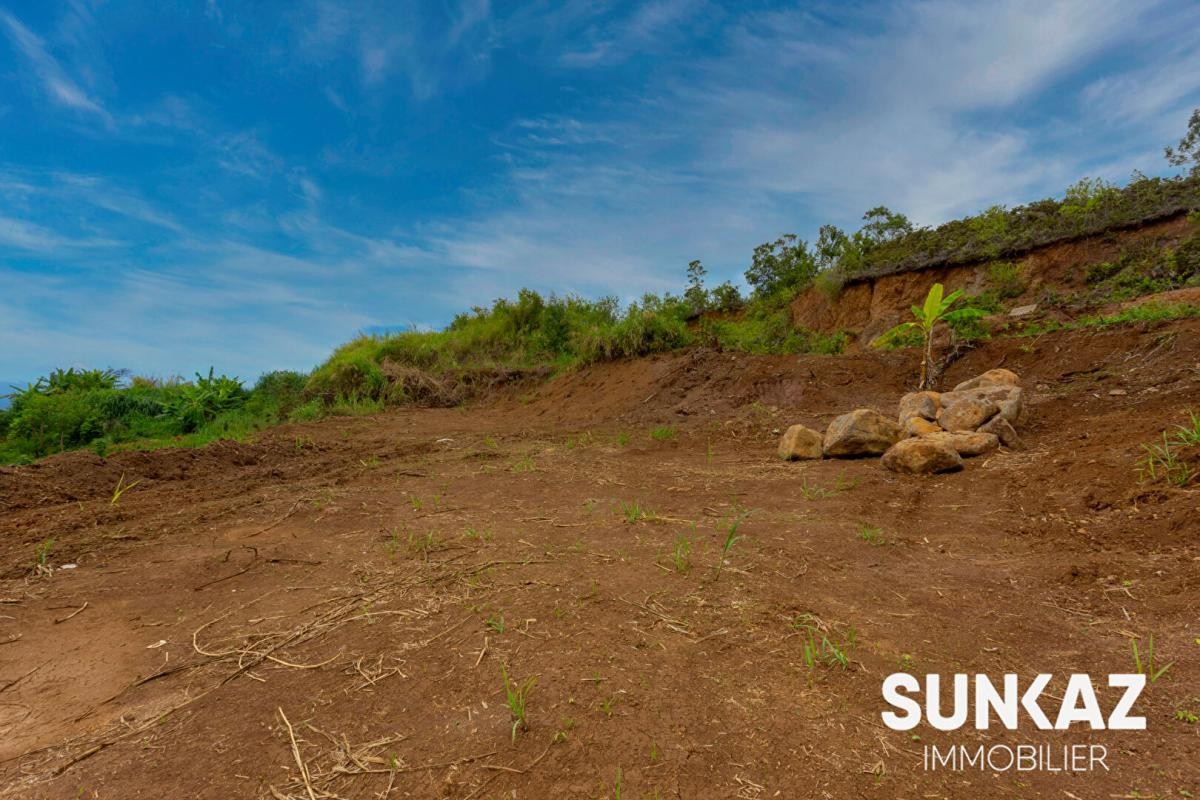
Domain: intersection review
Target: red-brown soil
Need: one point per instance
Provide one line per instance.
(339, 577)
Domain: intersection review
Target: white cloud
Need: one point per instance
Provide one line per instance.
(643, 29)
(792, 120)
(19, 234)
(55, 81)
(430, 46)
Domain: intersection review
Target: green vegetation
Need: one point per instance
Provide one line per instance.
(1144, 268)
(731, 537)
(515, 698)
(663, 433)
(935, 309)
(818, 648)
(41, 557)
(1144, 313)
(1188, 150)
(681, 557)
(536, 336)
(632, 512)
(81, 408)
(1167, 461)
(1147, 666)
(1090, 206)
(871, 534)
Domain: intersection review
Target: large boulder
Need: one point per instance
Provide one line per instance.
(967, 413)
(1003, 430)
(924, 405)
(968, 443)
(1009, 399)
(993, 377)
(862, 432)
(800, 442)
(922, 455)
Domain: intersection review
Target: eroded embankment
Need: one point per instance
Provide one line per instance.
(866, 307)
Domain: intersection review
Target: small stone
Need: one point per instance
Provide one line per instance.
(1023, 311)
(800, 442)
(1117, 393)
(922, 455)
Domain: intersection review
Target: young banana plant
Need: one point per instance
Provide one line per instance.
(935, 309)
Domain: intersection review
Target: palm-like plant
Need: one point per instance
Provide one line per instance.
(935, 309)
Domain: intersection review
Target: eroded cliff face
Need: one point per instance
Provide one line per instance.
(869, 307)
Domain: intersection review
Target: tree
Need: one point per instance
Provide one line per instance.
(832, 244)
(883, 226)
(935, 310)
(1188, 149)
(695, 294)
(783, 265)
(849, 253)
(726, 298)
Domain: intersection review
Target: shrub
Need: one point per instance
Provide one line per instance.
(783, 266)
(1006, 279)
(194, 404)
(281, 390)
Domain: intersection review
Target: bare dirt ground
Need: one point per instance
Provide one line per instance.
(326, 612)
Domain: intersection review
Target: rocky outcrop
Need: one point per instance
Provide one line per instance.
(799, 442)
(862, 432)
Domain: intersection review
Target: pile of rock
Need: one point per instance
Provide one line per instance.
(933, 432)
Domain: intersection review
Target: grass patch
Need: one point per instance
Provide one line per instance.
(1167, 460)
(871, 535)
(1144, 664)
(664, 433)
(1145, 313)
(515, 697)
(681, 556)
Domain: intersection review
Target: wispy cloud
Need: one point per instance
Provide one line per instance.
(793, 119)
(429, 46)
(22, 235)
(58, 85)
(646, 27)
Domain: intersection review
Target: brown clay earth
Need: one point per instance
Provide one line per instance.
(327, 612)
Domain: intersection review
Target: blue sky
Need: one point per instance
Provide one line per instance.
(247, 184)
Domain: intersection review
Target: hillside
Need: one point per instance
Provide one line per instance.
(554, 551)
(345, 594)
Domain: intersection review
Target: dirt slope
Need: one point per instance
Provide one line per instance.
(364, 581)
(868, 307)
